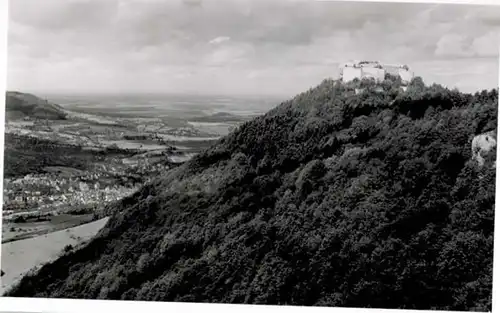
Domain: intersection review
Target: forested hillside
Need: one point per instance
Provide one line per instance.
(332, 198)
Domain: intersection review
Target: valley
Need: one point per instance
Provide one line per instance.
(62, 171)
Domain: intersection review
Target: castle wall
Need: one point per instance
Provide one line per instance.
(350, 73)
(392, 70)
(406, 75)
(372, 72)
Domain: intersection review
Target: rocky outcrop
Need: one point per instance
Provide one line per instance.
(482, 144)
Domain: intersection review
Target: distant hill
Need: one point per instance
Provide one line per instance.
(333, 198)
(20, 105)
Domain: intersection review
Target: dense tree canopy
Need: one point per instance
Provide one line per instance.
(331, 198)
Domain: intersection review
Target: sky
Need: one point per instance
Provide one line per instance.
(273, 47)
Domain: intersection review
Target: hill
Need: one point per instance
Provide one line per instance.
(335, 198)
(19, 105)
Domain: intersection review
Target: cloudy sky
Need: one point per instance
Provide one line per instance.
(241, 46)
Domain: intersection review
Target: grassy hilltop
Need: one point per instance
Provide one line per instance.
(332, 198)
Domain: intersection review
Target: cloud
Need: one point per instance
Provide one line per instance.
(55, 15)
(453, 45)
(226, 56)
(486, 45)
(193, 3)
(219, 40)
(210, 45)
(456, 45)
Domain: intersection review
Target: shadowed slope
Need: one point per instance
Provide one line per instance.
(19, 105)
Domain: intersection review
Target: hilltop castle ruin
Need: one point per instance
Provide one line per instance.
(373, 69)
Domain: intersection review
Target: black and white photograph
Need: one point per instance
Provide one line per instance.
(266, 152)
